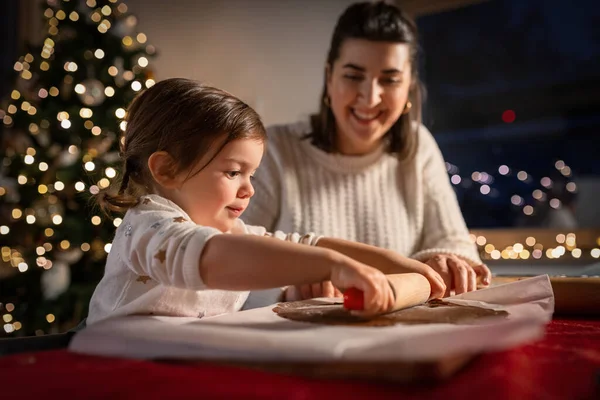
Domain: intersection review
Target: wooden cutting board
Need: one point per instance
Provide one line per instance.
(397, 372)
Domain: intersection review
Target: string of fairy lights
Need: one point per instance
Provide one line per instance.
(485, 180)
(91, 92)
(566, 244)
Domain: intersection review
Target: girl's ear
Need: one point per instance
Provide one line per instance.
(163, 168)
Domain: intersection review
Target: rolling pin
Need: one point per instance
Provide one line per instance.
(410, 289)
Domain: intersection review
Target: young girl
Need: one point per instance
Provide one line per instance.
(189, 154)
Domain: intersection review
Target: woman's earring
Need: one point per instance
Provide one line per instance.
(326, 102)
(407, 108)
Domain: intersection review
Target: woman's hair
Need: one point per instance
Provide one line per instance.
(378, 22)
(184, 118)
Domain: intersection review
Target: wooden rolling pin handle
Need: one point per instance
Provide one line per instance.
(409, 289)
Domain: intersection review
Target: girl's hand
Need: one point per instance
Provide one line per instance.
(457, 274)
(378, 295)
(310, 291)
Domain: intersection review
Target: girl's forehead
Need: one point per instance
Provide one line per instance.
(242, 148)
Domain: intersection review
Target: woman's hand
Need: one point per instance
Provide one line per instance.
(457, 274)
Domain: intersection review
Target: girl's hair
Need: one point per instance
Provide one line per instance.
(378, 22)
(183, 118)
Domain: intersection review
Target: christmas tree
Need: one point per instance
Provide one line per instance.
(60, 144)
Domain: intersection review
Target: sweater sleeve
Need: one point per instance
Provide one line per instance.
(310, 239)
(444, 228)
(265, 206)
(166, 246)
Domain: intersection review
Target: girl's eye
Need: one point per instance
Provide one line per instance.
(353, 77)
(232, 174)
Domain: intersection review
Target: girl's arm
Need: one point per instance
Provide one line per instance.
(387, 261)
(247, 262)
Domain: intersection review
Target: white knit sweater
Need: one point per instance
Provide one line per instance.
(410, 208)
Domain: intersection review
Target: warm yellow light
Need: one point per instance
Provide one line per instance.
(136, 86)
(85, 113)
(528, 210)
(113, 71)
(120, 113)
(110, 172)
(89, 166)
(4, 230)
(127, 41)
(22, 179)
(128, 75)
(96, 220)
(50, 318)
(15, 95)
(117, 222)
(123, 125)
(80, 186)
(60, 14)
(103, 183)
(560, 238)
(22, 267)
(109, 91)
(53, 91)
(106, 10)
(107, 247)
(57, 219)
(42, 189)
(530, 241)
(595, 253)
(79, 88)
(74, 16)
(85, 246)
(576, 253)
(64, 244)
(143, 62)
(30, 219)
(88, 124)
(518, 247)
(99, 53)
(17, 213)
(96, 130)
(66, 124)
(150, 83)
(28, 160)
(48, 232)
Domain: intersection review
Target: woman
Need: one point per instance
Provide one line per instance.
(364, 168)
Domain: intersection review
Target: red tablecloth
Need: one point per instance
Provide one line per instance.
(564, 365)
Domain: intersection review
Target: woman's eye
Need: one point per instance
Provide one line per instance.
(392, 81)
(353, 77)
(232, 174)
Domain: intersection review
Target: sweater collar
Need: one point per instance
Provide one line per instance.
(343, 163)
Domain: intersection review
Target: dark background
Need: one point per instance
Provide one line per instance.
(538, 58)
